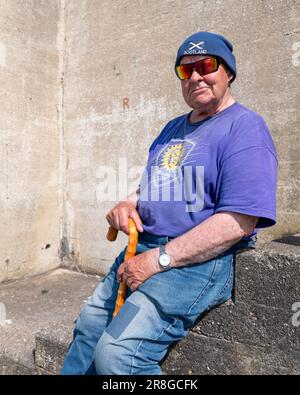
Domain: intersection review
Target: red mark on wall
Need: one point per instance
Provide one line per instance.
(125, 103)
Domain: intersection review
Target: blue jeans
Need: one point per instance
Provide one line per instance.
(160, 312)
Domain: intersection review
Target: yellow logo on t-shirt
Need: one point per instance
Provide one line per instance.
(172, 157)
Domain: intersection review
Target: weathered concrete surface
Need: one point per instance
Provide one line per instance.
(263, 52)
(255, 335)
(10, 367)
(206, 356)
(51, 348)
(29, 137)
(47, 302)
(115, 60)
(81, 102)
(272, 273)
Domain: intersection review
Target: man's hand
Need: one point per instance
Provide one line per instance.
(139, 268)
(118, 216)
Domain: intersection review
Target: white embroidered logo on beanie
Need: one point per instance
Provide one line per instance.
(193, 45)
(195, 49)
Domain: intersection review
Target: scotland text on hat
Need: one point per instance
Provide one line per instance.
(195, 49)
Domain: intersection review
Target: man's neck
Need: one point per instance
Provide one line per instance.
(198, 114)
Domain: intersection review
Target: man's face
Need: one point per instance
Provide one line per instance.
(201, 92)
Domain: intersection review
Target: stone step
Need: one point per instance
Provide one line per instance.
(41, 303)
(10, 367)
(257, 334)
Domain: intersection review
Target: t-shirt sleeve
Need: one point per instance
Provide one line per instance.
(248, 172)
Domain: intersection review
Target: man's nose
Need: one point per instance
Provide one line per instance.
(195, 76)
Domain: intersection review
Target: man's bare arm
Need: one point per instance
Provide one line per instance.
(202, 243)
(211, 238)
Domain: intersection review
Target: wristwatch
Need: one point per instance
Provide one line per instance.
(164, 259)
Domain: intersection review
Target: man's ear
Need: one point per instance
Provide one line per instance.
(230, 78)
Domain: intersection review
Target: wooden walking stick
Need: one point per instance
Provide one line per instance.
(130, 252)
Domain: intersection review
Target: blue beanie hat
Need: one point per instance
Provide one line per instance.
(206, 43)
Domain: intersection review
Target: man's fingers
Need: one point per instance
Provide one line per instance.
(109, 220)
(113, 219)
(137, 220)
(124, 224)
(120, 272)
(123, 274)
(118, 217)
(134, 286)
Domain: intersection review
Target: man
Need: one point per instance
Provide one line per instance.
(217, 166)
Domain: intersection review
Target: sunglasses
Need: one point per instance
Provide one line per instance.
(203, 67)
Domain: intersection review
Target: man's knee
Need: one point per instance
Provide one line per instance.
(110, 357)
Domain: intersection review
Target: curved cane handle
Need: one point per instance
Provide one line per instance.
(130, 252)
(112, 234)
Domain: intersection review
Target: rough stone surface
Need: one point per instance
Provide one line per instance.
(10, 367)
(51, 349)
(202, 355)
(252, 324)
(49, 302)
(270, 275)
(249, 337)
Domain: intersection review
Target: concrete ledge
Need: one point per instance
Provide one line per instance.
(267, 285)
(202, 355)
(10, 367)
(269, 275)
(251, 324)
(41, 303)
(255, 335)
(50, 352)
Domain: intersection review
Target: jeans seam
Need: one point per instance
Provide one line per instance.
(230, 276)
(133, 357)
(204, 288)
(152, 339)
(224, 287)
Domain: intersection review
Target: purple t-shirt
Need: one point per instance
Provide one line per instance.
(226, 162)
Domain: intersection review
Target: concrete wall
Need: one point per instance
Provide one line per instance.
(81, 97)
(112, 52)
(29, 137)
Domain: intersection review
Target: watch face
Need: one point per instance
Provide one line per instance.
(164, 260)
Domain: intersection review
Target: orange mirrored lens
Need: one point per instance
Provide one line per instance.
(203, 67)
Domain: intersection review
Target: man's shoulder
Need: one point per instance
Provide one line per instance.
(168, 130)
(250, 129)
(246, 114)
(175, 121)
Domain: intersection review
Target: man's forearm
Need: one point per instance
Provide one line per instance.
(202, 243)
(210, 239)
